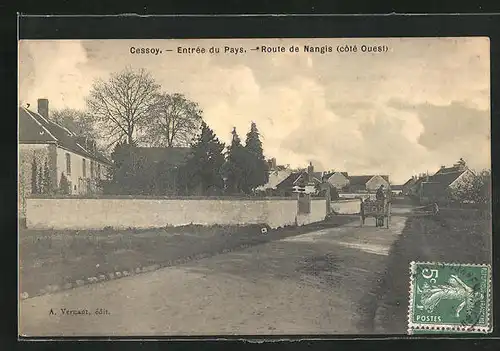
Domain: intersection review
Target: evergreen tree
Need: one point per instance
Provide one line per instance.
(132, 174)
(64, 185)
(202, 173)
(34, 176)
(123, 172)
(256, 166)
(40, 181)
(234, 169)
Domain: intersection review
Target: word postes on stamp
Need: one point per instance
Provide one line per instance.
(449, 298)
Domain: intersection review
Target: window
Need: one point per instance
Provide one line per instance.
(98, 171)
(68, 164)
(92, 169)
(84, 168)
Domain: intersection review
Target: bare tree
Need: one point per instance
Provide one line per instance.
(78, 122)
(122, 105)
(176, 121)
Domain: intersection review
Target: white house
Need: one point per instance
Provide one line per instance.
(376, 181)
(338, 179)
(50, 151)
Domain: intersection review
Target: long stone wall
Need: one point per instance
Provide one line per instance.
(78, 213)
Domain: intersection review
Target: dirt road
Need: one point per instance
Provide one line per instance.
(314, 283)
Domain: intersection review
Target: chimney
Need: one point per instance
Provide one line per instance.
(43, 108)
(271, 164)
(443, 167)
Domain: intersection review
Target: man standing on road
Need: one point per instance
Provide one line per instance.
(380, 195)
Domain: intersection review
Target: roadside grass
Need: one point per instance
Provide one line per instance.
(59, 257)
(451, 237)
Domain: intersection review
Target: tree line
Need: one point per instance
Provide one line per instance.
(210, 168)
(130, 110)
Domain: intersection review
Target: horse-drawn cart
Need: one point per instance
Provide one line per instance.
(379, 209)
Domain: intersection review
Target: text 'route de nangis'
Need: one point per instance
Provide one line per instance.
(264, 49)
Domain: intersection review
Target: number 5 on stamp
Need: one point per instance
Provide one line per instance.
(449, 298)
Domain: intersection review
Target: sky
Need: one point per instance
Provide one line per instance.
(422, 104)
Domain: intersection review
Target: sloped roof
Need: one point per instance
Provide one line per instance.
(34, 128)
(317, 175)
(173, 156)
(445, 179)
(291, 180)
(32, 131)
(453, 169)
(275, 178)
(329, 174)
(409, 181)
(356, 181)
(359, 180)
(437, 184)
(419, 181)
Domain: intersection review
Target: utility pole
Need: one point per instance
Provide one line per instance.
(328, 197)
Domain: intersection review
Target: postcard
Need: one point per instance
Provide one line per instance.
(221, 187)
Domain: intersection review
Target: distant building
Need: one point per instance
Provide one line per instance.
(337, 179)
(275, 178)
(277, 174)
(307, 178)
(408, 186)
(438, 186)
(367, 183)
(342, 181)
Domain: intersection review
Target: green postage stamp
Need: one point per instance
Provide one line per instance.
(449, 298)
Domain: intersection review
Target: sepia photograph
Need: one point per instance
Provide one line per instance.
(225, 187)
